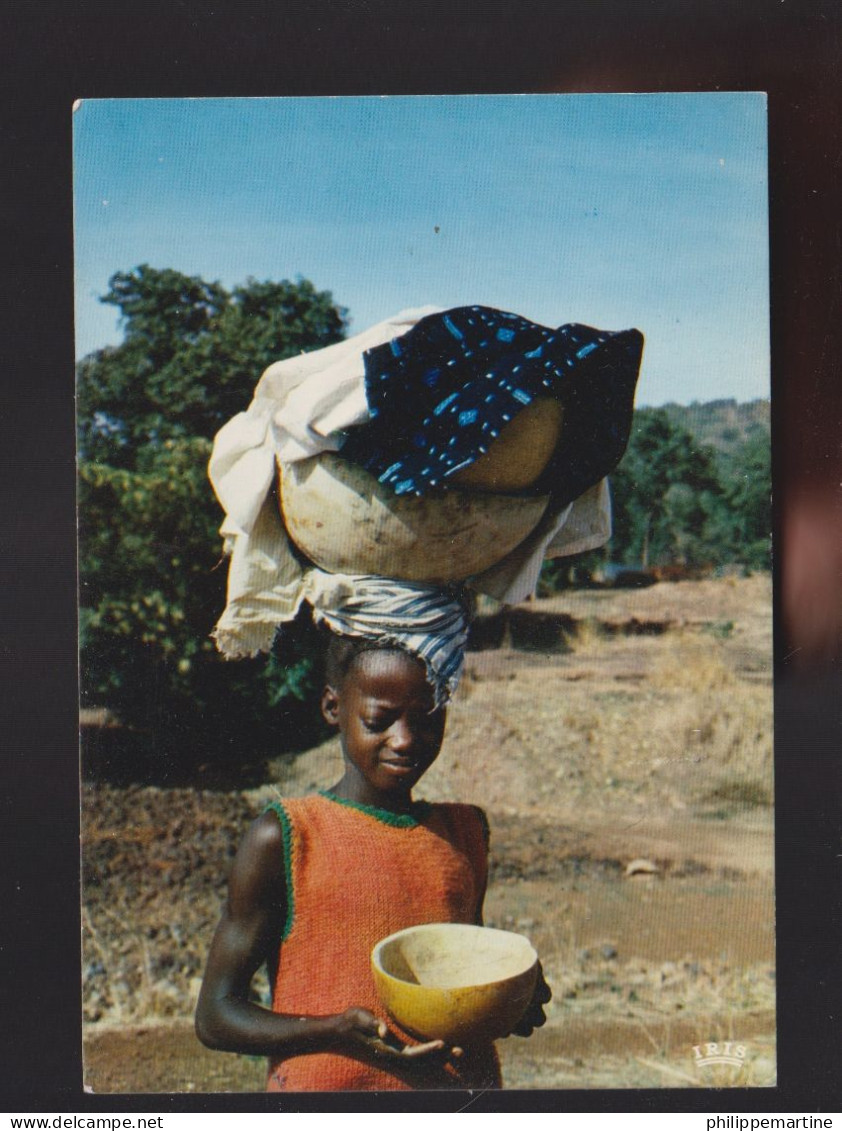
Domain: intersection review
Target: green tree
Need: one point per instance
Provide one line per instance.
(676, 500)
(747, 480)
(151, 579)
(666, 494)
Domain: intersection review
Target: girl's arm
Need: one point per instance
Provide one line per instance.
(249, 933)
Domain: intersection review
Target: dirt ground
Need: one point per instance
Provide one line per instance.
(620, 743)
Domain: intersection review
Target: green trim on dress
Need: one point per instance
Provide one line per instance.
(286, 831)
(420, 809)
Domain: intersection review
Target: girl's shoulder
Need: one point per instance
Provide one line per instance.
(463, 815)
(286, 812)
(258, 869)
(313, 814)
(458, 808)
(282, 806)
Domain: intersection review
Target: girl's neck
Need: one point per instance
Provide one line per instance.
(352, 787)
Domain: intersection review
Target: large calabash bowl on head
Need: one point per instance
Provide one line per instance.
(455, 982)
(345, 521)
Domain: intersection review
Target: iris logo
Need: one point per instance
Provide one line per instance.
(719, 1052)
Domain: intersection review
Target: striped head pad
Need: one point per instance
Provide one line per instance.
(427, 621)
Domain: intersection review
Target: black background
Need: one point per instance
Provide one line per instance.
(51, 54)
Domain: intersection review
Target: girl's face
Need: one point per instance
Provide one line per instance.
(391, 733)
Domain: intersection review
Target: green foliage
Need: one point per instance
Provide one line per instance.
(678, 501)
(719, 630)
(191, 356)
(148, 546)
(666, 493)
(722, 424)
(748, 495)
(576, 572)
(151, 580)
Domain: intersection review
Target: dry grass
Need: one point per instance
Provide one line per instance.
(590, 635)
(635, 1025)
(677, 725)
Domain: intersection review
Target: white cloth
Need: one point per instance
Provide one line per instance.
(301, 407)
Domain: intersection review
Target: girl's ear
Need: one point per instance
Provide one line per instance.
(330, 706)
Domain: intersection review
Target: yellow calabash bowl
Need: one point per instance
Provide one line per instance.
(454, 981)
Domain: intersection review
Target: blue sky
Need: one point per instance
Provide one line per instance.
(646, 210)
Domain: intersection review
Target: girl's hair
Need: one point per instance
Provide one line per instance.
(342, 653)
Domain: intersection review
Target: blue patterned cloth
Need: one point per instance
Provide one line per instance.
(441, 393)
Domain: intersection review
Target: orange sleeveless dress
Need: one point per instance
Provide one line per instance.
(355, 874)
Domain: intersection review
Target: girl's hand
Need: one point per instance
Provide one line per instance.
(359, 1025)
(535, 1017)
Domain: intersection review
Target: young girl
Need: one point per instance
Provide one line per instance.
(319, 880)
(418, 401)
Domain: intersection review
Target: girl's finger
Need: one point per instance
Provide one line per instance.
(385, 1049)
(419, 1050)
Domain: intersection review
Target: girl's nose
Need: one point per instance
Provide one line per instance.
(401, 737)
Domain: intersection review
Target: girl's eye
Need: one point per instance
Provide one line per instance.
(376, 725)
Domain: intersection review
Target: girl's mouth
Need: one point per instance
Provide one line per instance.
(399, 766)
